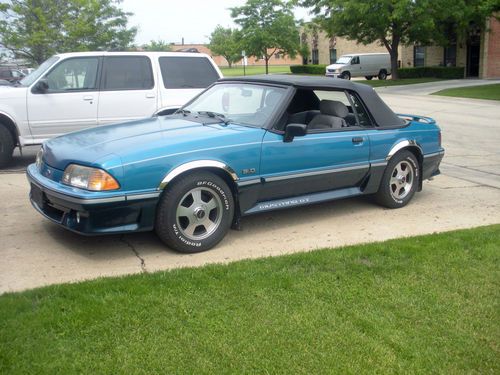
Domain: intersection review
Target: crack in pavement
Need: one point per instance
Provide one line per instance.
(136, 253)
(472, 169)
(478, 184)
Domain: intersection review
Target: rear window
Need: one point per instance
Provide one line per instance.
(180, 72)
(127, 73)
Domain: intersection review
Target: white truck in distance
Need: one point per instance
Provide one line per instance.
(75, 91)
(366, 65)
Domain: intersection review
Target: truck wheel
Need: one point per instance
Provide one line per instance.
(195, 213)
(400, 180)
(382, 74)
(6, 146)
(346, 75)
(369, 78)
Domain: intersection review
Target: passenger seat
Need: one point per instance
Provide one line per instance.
(332, 115)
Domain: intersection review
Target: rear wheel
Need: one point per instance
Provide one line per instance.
(346, 75)
(6, 146)
(195, 213)
(382, 74)
(369, 78)
(400, 180)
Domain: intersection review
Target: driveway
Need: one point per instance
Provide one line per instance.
(35, 252)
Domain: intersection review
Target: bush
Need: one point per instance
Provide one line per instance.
(432, 72)
(308, 69)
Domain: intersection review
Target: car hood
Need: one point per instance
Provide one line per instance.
(335, 66)
(134, 142)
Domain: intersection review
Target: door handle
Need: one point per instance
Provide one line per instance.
(357, 140)
(150, 96)
(88, 97)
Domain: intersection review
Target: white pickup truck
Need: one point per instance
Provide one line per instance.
(74, 91)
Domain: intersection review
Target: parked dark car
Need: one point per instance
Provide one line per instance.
(243, 146)
(11, 75)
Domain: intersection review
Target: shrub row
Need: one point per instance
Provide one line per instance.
(432, 71)
(308, 69)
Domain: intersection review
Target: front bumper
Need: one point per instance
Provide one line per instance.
(334, 75)
(91, 215)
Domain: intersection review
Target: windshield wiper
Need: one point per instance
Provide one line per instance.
(184, 112)
(216, 115)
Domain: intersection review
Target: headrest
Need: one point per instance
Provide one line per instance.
(333, 108)
(272, 98)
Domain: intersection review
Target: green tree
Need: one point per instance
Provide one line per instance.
(36, 29)
(267, 27)
(226, 43)
(395, 22)
(157, 46)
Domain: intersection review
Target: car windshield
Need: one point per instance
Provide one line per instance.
(344, 60)
(29, 79)
(243, 103)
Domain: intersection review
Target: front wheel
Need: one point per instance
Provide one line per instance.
(400, 180)
(195, 213)
(6, 146)
(346, 75)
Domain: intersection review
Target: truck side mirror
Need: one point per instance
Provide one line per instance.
(294, 130)
(42, 86)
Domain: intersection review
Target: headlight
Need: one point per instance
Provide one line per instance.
(39, 158)
(94, 179)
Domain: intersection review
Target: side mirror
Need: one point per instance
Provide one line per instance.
(42, 86)
(294, 130)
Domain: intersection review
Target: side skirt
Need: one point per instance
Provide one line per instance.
(303, 200)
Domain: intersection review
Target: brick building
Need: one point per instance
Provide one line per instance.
(479, 53)
(277, 59)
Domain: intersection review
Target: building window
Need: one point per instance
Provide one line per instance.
(315, 56)
(333, 55)
(419, 56)
(450, 55)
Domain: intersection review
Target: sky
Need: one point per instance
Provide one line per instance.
(193, 20)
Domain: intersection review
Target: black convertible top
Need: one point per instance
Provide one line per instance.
(381, 113)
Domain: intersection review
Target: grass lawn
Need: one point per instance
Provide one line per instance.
(428, 304)
(252, 70)
(491, 92)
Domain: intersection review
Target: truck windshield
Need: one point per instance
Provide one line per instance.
(344, 60)
(29, 79)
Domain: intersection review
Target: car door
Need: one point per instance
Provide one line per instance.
(322, 160)
(128, 90)
(70, 101)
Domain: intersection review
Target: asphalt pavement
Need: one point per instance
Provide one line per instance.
(35, 252)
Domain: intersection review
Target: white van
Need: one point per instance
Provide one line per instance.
(366, 65)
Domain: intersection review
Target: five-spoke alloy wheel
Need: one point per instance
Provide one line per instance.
(195, 212)
(400, 180)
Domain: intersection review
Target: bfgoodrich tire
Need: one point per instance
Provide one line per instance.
(6, 146)
(195, 212)
(400, 180)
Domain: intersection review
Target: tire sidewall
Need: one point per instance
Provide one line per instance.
(6, 146)
(166, 223)
(387, 198)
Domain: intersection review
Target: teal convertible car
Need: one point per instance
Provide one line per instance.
(243, 146)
